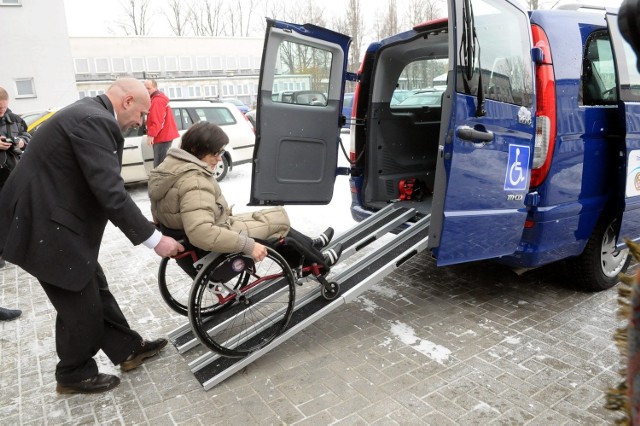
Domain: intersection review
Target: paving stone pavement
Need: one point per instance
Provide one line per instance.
(471, 344)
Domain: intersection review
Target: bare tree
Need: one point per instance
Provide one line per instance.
(136, 17)
(533, 4)
(178, 16)
(354, 25)
(239, 14)
(387, 23)
(206, 18)
(419, 11)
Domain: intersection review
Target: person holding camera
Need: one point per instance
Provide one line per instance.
(13, 140)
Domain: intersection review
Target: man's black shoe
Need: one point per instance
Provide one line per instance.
(97, 384)
(2, 263)
(148, 349)
(9, 314)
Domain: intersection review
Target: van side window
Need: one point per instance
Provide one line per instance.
(598, 71)
(302, 74)
(504, 53)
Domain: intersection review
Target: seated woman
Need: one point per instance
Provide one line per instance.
(186, 196)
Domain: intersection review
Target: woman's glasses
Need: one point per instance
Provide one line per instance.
(219, 153)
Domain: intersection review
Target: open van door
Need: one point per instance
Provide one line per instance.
(487, 134)
(296, 150)
(629, 84)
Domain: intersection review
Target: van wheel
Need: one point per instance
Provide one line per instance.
(221, 169)
(598, 266)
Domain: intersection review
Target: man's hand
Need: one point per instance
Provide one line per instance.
(259, 252)
(4, 145)
(149, 140)
(168, 247)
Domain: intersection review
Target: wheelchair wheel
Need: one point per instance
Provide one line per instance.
(175, 278)
(236, 313)
(174, 284)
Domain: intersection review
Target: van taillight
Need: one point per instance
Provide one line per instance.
(352, 126)
(546, 109)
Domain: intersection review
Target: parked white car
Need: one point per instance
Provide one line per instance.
(137, 159)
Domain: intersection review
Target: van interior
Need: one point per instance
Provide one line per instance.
(403, 124)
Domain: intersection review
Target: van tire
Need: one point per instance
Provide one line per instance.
(599, 265)
(221, 168)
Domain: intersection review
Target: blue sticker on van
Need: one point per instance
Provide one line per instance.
(517, 168)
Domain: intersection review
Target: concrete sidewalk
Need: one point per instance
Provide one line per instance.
(472, 344)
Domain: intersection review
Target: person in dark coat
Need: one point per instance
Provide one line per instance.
(53, 212)
(13, 140)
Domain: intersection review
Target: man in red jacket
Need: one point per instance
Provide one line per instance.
(161, 126)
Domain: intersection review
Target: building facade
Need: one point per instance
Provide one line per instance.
(184, 67)
(37, 66)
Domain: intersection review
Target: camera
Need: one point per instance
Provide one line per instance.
(14, 145)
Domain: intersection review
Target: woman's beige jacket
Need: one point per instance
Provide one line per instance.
(185, 195)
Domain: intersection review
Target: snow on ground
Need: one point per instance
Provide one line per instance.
(310, 220)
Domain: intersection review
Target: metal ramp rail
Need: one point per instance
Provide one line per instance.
(210, 369)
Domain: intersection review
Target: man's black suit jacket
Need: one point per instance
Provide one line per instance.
(56, 203)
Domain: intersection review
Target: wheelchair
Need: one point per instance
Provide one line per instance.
(236, 305)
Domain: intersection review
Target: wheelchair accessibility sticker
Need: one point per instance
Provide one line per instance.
(517, 168)
(633, 174)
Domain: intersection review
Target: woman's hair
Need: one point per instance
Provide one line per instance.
(204, 138)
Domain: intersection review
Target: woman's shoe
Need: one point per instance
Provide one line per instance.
(331, 256)
(323, 239)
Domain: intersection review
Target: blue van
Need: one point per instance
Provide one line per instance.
(531, 157)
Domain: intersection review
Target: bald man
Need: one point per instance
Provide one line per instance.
(53, 212)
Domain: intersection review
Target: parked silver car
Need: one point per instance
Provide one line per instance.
(137, 159)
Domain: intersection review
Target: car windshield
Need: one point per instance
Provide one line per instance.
(399, 96)
(32, 117)
(423, 99)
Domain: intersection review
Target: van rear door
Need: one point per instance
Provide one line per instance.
(629, 88)
(488, 131)
(296, 151)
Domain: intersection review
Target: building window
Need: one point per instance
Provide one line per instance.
(82, 94)
(194, 91)
(153, 64)
(102, 66)
(25, 88)
(216, 63)
(244, 63)
(185, 63)
(137, 64)
(202, 63)
(81, 66)
(175, 92)
(256, 61)
(10, 3)
(170, 63)
(118, 65)
(232, 63)
(211, 91)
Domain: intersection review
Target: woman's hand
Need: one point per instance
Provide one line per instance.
(259, 252)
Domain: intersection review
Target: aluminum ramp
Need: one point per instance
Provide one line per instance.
(211, 368)
(352, 241)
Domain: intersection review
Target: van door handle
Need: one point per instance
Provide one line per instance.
(473, 135)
